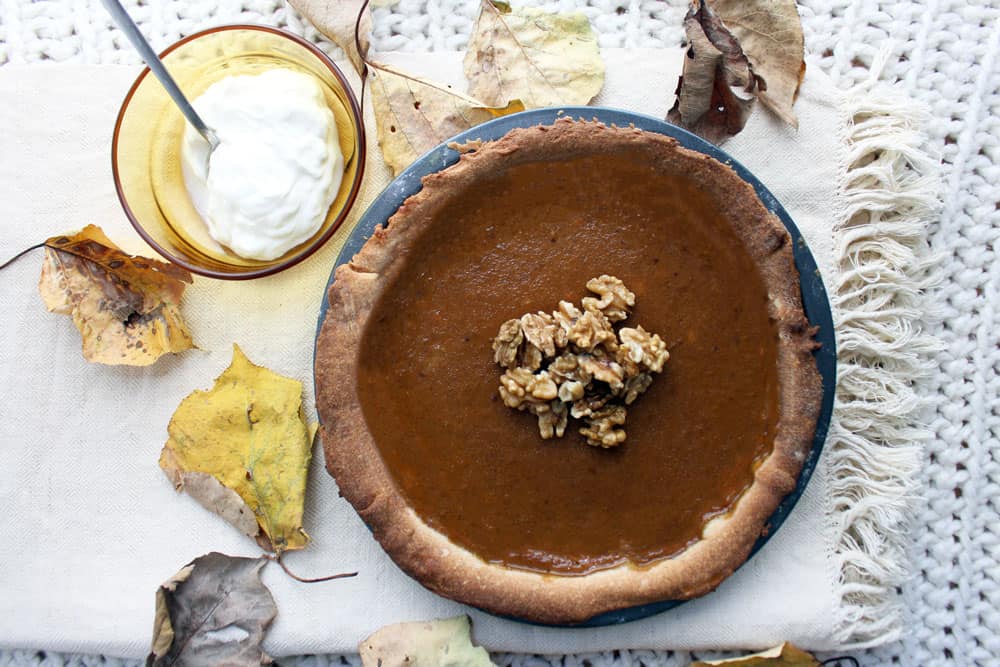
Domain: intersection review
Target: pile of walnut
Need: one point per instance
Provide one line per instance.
(573, 363)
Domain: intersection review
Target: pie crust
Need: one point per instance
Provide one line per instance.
(353, 458)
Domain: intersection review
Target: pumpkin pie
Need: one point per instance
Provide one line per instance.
(461, 491)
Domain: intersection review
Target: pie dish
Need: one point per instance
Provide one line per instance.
(460, 491)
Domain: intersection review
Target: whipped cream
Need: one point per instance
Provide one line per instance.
(268, 185)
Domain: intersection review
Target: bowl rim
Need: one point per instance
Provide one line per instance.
(361, 156)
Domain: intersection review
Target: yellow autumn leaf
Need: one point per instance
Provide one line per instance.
(242, 450)
(126, 307)
(527, 54)
(413, 115)
(785, 655)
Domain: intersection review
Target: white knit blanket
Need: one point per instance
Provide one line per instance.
(944, 53)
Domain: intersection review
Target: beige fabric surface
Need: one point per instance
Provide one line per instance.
(90, 523)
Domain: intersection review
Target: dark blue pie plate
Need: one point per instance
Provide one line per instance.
(814, 295)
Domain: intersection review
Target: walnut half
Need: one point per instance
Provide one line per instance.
(507, 343)
(600, 430)
(573, 363)
(615, 301)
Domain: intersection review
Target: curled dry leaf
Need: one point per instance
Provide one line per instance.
(738, 52)
(540, 58)
(413, 114)
(715, 93)
(336, 19)
(444, 642)
(770, 32)
(242, 450)
(215, 611)
(785, 655)
(127, 308)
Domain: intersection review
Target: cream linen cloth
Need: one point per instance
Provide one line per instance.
(91, 526)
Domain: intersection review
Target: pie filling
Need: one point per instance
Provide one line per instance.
(524, 239)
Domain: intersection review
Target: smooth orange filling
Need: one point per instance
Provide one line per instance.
(521, 241)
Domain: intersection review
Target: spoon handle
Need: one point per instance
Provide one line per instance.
(155, 65)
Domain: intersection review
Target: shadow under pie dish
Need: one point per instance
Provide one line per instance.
(463, 492)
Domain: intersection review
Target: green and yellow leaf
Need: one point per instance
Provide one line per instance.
(444, 642)
(242, 450)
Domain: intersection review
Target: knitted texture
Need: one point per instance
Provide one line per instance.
(943, 53)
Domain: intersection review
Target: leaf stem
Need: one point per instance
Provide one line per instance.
(361, 53)
(278, 559)
(21, 254)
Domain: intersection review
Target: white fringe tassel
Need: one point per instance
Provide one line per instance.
(889, 196)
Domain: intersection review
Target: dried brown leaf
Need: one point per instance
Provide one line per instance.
(214, 611)
(715, 93)
(413, 114)
(444, 642)
(785, 655)
(336, 19)
(213, 495)
(738, 51)
(770, 32)
(538, 57)
(127, 308)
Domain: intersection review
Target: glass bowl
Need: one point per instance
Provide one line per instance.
(145, 150)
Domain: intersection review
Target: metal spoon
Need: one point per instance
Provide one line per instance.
(127, 25)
